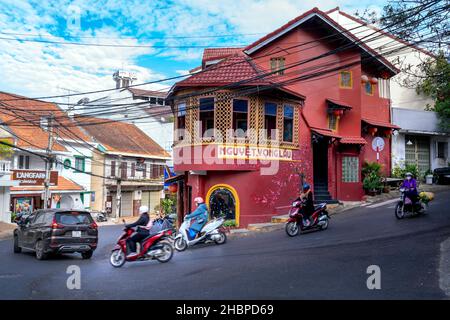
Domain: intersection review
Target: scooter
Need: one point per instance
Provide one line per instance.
(155, 246)
(211, 232)
(405, 206)
(319, 219)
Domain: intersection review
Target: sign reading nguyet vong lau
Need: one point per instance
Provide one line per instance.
(253, 153)
(33, 177)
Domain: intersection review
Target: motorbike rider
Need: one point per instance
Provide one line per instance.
(200, 214)
(143, 224)
(308, 203)
(410, 184)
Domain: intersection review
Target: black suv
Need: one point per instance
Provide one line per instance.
(56, 231)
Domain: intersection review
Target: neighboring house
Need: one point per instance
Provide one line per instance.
(420, 141)
(321, 129)
(151, 114)
(125, 155)
(25, 121)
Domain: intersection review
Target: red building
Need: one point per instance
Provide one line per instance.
(300, 104)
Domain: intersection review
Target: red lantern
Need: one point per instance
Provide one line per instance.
(373, 80)
(336, 113)
(372, 130)
(387, 132)
(173, 188)
(364, 78)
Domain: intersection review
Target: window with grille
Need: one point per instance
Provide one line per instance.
(332, 121)
(181, 120)
(350, 169)
(442, 150)
(288, 123)
(345, 79)
(270, 120)
(240, 117)
(277, 64)
(79, 164)
(368, 87)
(206, 109)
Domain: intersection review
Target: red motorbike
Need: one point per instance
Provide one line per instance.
(155, 246)
(318, 220)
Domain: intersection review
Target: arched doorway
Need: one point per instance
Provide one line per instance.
(223, 200)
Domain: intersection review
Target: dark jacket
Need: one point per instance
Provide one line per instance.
(142, 221)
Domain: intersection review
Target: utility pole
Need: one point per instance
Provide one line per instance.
(119, 189)
(48, 161)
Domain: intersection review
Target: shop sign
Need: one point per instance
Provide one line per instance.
(33, 177)
(253, 153)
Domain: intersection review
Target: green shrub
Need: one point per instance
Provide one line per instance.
(372, 182)
(371, 167)
(229, 223)
(398, 172)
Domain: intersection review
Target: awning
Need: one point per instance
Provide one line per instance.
(336, 104)
(174, 179)
(377, 123)
(352, 140)
(325, 132)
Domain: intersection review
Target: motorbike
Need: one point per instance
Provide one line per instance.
(211, 232)
(319, 219)
(100, 216)
(156, 246)
(405, 206)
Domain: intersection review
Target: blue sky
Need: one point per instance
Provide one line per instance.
(39, 69)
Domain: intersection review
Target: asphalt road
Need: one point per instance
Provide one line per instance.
(329, 264)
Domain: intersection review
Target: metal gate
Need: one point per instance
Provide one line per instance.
(417, 151)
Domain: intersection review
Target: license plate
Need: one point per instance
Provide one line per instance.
(76, 234)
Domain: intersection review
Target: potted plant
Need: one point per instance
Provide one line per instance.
(372, 184)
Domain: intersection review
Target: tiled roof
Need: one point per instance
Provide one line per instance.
(330, 21)
(64, 184)
(121, 137)
(352, 140)
(236, 68)
(325, 132)
(210, 54)
(147, 93)
(339, 103)
(378, 123)
(22, 116)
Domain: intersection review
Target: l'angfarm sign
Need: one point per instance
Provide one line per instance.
(253, 153)
(33, 177)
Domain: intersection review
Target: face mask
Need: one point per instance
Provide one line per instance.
(408, 178)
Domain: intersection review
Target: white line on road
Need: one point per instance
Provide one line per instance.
(382, 203)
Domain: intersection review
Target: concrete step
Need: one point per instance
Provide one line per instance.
(280, 219)
(264, 227)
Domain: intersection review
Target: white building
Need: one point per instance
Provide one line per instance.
(144, 108)
(28, 131)
(419, 141)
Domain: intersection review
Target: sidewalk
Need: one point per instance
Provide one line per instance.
(6, 230)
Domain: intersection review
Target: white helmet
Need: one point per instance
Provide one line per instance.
(199, 200)
(143, 209)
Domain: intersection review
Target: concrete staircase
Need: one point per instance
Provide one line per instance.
(321, 193)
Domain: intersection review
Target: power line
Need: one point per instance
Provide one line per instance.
(423, 6)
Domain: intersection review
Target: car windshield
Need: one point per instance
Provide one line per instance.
(73, 218)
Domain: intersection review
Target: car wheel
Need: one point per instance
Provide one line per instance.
(87, 255)
(40, 250)
(17, 249)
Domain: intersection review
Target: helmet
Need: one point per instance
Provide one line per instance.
(408, 174)
(306, 187)
(143, 209)
(198, 200)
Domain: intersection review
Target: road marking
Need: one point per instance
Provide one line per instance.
(382, 203)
